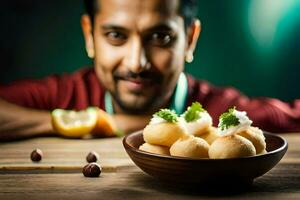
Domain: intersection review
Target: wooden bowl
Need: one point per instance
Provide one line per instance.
(180, 170)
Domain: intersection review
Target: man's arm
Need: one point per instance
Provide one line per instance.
(271, 114)
(18, 122)
(267, 113)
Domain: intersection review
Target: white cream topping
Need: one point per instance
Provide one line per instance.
(157, 120)
(244, 123)
(204, 121)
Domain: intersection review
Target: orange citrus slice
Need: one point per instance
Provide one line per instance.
(105, 126)
(72, 123)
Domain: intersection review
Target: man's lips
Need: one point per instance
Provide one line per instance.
(136, 84)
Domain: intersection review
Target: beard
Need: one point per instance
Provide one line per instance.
(143, 101)
(135, 107)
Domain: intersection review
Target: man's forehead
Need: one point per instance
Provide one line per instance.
(128, 12)
(163, 6)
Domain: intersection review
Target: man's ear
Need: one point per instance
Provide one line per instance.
(87, 30)
(193, 34)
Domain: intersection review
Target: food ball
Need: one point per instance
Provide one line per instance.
(192, 147)
(163, 150)
(210, 136)
(255, 135)
(164, 134)
(231, 146)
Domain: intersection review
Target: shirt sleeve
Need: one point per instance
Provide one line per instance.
(68, 91)
(39, 94)
(266, 113)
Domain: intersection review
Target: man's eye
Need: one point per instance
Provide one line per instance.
(116, 38)
(161, 39)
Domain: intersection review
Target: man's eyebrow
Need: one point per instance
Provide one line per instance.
(161, 27)
(113, 27)
(157, 27)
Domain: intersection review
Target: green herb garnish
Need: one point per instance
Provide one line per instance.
(228, 119)
(167, 114)
(193, 112)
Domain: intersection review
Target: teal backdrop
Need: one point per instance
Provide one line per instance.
(253, 45)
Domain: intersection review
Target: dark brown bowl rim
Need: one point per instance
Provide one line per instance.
(281, 148)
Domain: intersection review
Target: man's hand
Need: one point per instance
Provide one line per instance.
(17, 122)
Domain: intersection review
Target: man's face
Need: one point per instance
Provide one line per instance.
(139, 51)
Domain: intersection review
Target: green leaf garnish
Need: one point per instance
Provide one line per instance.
(167, 114)
(228, 119)
(193, 112)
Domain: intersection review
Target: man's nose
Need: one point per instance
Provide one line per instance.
(136, 59)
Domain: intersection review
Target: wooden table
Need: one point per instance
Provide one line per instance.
(58, 175)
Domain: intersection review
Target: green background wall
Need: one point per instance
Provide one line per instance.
(253, 45)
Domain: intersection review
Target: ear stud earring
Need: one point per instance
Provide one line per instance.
(189, 57)
(90, 53)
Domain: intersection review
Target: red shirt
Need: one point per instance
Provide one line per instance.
(82, 89)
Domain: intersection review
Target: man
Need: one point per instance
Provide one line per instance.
(139, 49)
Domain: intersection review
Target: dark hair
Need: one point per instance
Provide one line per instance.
(188, 10)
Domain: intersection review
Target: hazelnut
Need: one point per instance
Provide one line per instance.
(91, 170)
(92, 157)
(36, 155)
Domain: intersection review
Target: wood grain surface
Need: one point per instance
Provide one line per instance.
(62, 154)
(59, 175)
